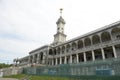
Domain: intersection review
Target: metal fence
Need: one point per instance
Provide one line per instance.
(102, 67)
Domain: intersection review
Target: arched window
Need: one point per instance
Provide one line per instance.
(105, 36)
(63, 49)
(58, 50)
(115, 33)
(95, 39)
(74, 46)
(50, 52)
(68, 48)
(87, 42)
(80, 44)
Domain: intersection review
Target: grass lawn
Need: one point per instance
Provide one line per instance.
(16, 76)
(32, 77)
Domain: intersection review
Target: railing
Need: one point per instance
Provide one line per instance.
(93, 46)
(24, 63)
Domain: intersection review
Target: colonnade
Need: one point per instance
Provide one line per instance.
(24, 60)
(88, 48)
(84, 42)
(98, 46)
(36, 58)
(98, 54)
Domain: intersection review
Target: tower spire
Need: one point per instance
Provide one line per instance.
(60, 20)
(61, 11)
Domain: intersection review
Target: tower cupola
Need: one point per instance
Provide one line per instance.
(60, 20)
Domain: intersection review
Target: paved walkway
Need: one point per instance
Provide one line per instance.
(8, 79)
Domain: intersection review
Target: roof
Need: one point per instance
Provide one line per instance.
(38, 48)
(60, 20)
(92, 32)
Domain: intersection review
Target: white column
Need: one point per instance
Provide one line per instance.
(65, 60)
(114, 52)
(93, 55)
(111, 35)
(38, 58)
(52, 61)
(29, 60)
(33, 59)
(77, 58)
(84, 57)
(103, 54)
(60, 60)
(56, 61)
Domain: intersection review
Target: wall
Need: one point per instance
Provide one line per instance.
(11, 71)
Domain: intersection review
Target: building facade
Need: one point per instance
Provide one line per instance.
(99, 45)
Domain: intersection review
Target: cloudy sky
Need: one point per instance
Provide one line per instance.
(29, 24)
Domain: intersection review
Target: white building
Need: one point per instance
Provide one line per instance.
(101, 44)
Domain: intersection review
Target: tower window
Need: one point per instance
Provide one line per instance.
(58, 28)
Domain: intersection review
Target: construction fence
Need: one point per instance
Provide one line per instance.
(107, 67)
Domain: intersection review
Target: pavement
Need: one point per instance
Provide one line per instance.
(8, 79)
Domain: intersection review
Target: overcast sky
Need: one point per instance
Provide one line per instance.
(28, 24)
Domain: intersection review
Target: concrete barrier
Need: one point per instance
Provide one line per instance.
(10, 71)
